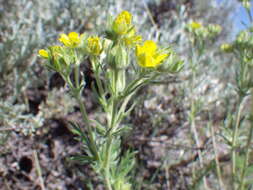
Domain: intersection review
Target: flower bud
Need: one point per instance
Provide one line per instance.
(243, 37)
(94, 46)
(226, 48)
(118, 57)
(121, 58)
(43, 53)
(213, 29)
(246, 5)
(122, 23)
(194, 25)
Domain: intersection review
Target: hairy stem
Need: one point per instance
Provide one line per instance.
(107, 163)
(234, 140)
(217, 163)
(111, 125)
(246, 159)
(77, 93)
(194, 65)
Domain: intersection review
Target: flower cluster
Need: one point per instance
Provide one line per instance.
(203, 32)
(116, 75)
(243, 44)
(242, 49)
(71, 40)
(123, 33)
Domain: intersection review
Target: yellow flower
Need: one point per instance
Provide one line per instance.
(214, 29)
(43, 53)
(195, 25)
(71, 40)
(122, 23)
(131, 39)
(94, 45)
(226, 48)
(148, 55)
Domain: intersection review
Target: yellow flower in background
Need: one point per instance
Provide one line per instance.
(214, 29)
(148, 55)
(131, 39)
(71, 40)
(226, 48)
(122, 23)
(195, 25)
(43, 53)
(94, 45)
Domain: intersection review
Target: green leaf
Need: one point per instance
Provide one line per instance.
(121, 130)
(99, 127)
(240, 162)
(82, 159)
(249, 172)
(76, 129)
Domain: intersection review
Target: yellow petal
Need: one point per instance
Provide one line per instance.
(122, 23)
(74, 37)
(126, 16)
(94, 45)
(43, 53)
(149, 47)
(139, 50)
(195, 25)
(148, 55)
(146, 61)
(64, 39)
(141, 60)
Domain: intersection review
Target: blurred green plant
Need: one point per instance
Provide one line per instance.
(199, 36)
(242, 127)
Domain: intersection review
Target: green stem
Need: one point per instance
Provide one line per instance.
(246, 160)
(111, 125)
(234, 141)
(87, 122)
(107, 162)
(217, 163)
(76, 71)
(194, 63)
(77, 93)
(95, 65)
(76, 75)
